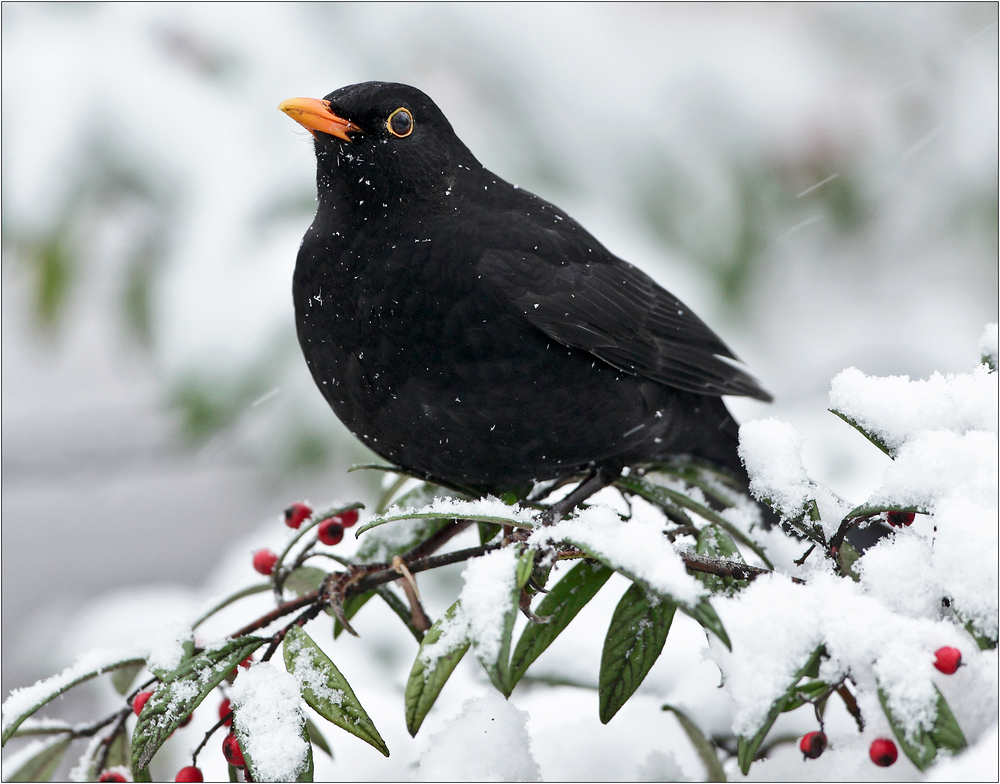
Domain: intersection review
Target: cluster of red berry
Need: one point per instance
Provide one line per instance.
(883, 751)
(330, 532)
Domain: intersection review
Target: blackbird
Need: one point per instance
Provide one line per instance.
(475, 334)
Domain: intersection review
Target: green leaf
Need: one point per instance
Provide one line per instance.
(250, 591)
(436, 660)
(44, 692)
(40, 765)
(715, 543)
(123, 677)
(561, 605)
(401, 609)
(870, 510)
(704, 747)
(846, 558)
(747, 748)
(43, 727)
(181, 692)
(663, 496)
(634, 641)
(143, 775)
(304, 579)
(186, 658)
(119, 752)
(325, 690)
(525, 567)
(921, 746)
(352, 604)
(866, 433)
(316, 737)
(487, 531)
(705, 615)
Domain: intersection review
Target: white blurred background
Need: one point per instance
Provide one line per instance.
(818, 181)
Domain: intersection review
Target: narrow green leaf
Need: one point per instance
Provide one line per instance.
(181, 692)
(704, 747)
(747, 748)
(44, 692)
(40, 765)
(634, 641)
(715, 543)
(870, 510)
(846, 558)
(325, 690)
(705, 615)
(143, 775)
(250, 591)
(233, 776)
(866, 433)
(570, 595)
(401, 609)
(442, 649)
(43, 727)
(119, 752)
(187, 657)
(525, 566)
(487, 531)
(921, 746)
(304, 579)
(123, 677)
(436, 515)
(351, 607)
(317, 738)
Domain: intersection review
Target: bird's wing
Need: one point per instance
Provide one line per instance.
(618, 313)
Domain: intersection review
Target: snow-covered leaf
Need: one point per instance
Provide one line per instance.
(23, 702)
(875, 439)
(38, 761)
(483, 510)
(634, 641)
(492, 631)
(561, 605)
(747, 748)
(665, 498)
(325, 690)
(181, 692)
(704, 747)
(921, 746)
(441, 650)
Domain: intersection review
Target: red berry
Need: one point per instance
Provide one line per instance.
(812, 744)
(226, 712)
(140, 700)
(232, 752)
(190, 773)
(899, 519)
(330, 531)
(264, 561)
(348, 518)
(948, 660)
(111, 775)
(883, 752)
(296, 514)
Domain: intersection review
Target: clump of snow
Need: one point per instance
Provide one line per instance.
(486, 597)
(660, 766)
(454, 631)
(166, 645)
(775, 624)
(771, 450)
(772, 453)
(637, 547)
(487, 741)
(269, 720)
(988, 349)
(897, 409)
(895, 572)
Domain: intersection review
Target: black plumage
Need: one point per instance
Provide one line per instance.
(471, 332)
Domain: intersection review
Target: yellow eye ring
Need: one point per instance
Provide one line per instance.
(400, 123)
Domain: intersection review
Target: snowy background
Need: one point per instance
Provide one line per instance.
(819, 182)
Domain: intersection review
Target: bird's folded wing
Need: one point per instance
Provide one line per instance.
(621, 315)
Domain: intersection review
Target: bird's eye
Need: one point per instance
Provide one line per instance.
(400, 122)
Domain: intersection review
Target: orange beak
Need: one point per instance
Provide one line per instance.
(315, 115)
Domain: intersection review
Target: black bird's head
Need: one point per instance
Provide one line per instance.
(380, 142)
